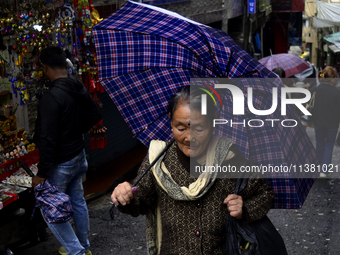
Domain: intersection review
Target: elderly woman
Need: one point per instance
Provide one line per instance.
(187, 215)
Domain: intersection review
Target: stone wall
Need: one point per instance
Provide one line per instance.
(202, 11)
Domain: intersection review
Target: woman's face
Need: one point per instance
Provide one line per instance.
(191, 130)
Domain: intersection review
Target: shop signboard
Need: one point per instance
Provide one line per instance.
(251, 6)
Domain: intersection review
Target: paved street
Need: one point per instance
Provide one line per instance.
(314, 229)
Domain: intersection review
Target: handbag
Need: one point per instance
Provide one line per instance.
(255, 238)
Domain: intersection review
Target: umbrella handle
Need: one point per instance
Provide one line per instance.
(154, 162)
(150, 166)
(26, 168)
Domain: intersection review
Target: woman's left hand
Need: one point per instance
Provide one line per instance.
(235, 204)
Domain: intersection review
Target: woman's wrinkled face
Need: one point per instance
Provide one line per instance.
(191, 130)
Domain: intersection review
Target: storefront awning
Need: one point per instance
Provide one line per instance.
(334, 48)
(319, 23)
(328, 15)
(332, 38)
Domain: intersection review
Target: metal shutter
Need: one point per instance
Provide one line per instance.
(119, 136)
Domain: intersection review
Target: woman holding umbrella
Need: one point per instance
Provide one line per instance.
(187, 215)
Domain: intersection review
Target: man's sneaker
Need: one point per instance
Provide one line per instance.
(62, 251)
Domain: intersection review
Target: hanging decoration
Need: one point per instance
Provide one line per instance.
(98, 139)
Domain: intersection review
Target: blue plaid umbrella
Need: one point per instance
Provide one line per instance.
(55, 205)
(145, 54)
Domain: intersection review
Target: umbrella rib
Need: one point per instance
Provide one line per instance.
(228, 65)
(247, 74)
(210, 49)
(134, 136)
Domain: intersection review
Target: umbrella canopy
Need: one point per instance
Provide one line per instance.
(55, 205)
(145, 54)
(290, 63)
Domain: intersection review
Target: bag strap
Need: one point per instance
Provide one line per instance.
(311, 102)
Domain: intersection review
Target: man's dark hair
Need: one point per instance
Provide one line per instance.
(280, 72)
(191, 95)
(54, 57)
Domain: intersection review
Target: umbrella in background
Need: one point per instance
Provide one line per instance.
(290, 63)
(145, 54)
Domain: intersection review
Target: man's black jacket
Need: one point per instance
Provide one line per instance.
(65, 112)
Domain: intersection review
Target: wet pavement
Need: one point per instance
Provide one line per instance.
(313, 229)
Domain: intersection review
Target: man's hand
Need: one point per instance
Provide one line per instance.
(37, 180)
(234, 203)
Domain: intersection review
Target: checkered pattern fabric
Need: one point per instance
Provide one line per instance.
(55, 205)
(290, 63)
(144, 56)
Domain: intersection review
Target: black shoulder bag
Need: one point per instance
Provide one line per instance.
(255, 238)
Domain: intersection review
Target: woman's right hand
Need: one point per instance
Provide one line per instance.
(123, 193)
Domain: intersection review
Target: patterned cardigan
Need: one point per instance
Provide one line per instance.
(197, 227)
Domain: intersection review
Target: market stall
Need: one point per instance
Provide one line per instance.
(16, 196)
(27, 27)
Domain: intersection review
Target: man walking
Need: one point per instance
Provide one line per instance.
(65, 112)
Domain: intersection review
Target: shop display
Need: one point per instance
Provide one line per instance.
(11, 189)
(21, 178)
(14, 179)
(12, 147)
(27, 28)
(6, 199)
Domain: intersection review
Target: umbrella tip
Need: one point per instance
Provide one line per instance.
(271, 54)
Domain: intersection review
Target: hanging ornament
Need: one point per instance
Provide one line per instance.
(95, 17)
(13, 86)
(18, 60)
(21, 88)
(67, 13)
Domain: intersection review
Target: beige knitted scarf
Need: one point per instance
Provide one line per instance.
(217, 152)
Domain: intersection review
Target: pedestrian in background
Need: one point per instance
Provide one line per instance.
(59, 136)
(326, 114)
(280, 72)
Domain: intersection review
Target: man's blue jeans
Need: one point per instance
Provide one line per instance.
(325, 139)
(67, 177)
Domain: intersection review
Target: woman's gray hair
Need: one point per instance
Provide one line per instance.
(191, 96)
